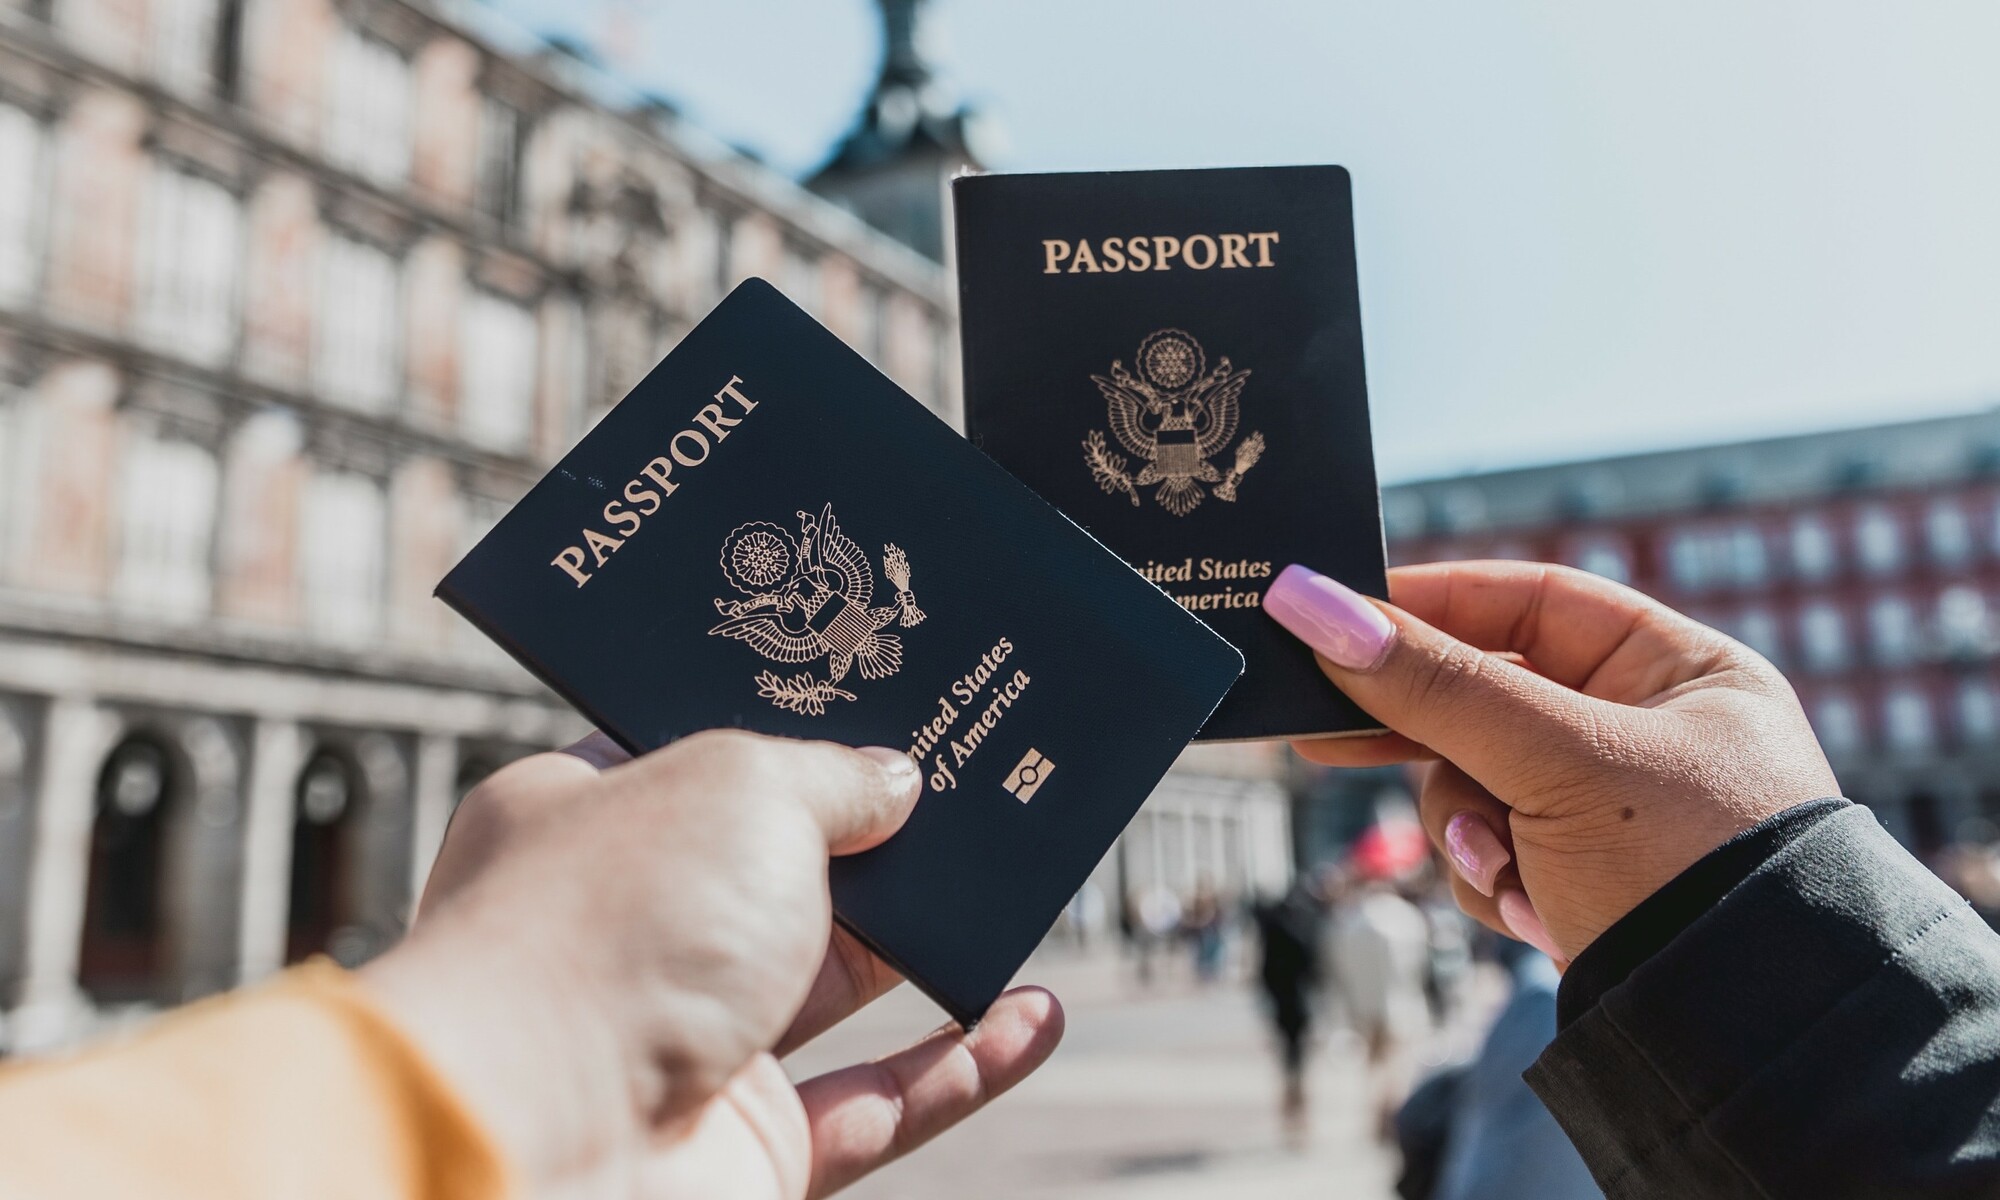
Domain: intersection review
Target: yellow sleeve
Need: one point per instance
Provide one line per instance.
(295, 1090)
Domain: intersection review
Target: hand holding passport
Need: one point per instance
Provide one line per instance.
(767, 534)
(644, 1049)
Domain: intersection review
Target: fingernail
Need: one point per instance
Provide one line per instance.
(894, 762)
(1475, 850)
(1331, 617)
(1520, 917)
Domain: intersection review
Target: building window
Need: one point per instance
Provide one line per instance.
(126, 908)
(1906, 719)
(189, 253)
(497, 372)
(228, 57)
(1687, 560)
(1604, 556)
(1460, 509)
(324, 828)
(501, 130)
(1837, 721)
(1758, 629)
(1962, 622)
(21, 142)
(1878, 539)
(355, 360)
(1892, 628)
(1978, 715)
(166, 527)
(798, 278)
(868, 322)
(1748, 564)
(624, 351)
(368, 108)
(1949, 532)
(184, 44)
(1823, 636)
(343, 531)
(1814, 556)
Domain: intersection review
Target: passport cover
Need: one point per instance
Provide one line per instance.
(1173, 358)
(769, 534)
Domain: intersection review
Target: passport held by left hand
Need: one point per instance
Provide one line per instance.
(769, 534)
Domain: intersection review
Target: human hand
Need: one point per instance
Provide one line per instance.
(607, 964)
(1589, 742)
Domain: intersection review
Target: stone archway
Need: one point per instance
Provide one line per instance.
(126, 947)
(327, 802)
(163, 864)
(350, 849)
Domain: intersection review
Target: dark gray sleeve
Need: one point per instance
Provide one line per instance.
(1830, 1028)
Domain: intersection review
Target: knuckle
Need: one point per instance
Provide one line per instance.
(728, 759)
(500, 802)
(1438, 681)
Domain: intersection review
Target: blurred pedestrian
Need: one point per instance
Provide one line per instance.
(1288, 970)
(1449, 963)
(1203, 926)
(1498, 1141)
(1379, 948)
(1156, 914)
(1084, 914)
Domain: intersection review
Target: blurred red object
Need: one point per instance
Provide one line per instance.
(1389, 851)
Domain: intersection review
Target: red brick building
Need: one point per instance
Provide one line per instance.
(1865, 563)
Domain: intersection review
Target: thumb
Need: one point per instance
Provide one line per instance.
(857, 798)
(1496, 719)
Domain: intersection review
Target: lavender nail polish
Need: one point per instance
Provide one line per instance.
(1475, 850)
(1521, 917)
(1331, 617)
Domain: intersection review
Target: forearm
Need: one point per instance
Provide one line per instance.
(1829, 1027)
(300, 1088)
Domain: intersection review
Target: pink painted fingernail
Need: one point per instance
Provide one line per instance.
(1331, 617)
(1521, 917)
(1475, 850)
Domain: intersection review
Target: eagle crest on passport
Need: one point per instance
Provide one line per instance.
(1175, 414)
(808, 598)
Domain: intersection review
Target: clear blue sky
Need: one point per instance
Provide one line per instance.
(1583, 227)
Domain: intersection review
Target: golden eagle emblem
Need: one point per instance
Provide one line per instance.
(808, 599)
(1175, 414)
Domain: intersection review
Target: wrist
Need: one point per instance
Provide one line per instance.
(535, 1065)
(1664, 914)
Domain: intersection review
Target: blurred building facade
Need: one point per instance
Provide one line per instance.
(296, 297)
(1865, 563)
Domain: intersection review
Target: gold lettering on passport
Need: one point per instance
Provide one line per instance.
(938, 739)
(1174, 414)
(809, 598)
(1209, 570)
(1158, 252)
(646, 491)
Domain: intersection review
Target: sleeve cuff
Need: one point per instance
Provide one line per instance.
(1660, 918)
(300, 1088)
(1787, 1029)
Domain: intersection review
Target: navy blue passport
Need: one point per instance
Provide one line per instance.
(768, 534)
(1173, 358)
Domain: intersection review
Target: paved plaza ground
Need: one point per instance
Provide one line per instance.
(1168, 1093)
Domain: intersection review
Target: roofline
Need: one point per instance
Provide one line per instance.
(1767, 442)
(718, 164)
